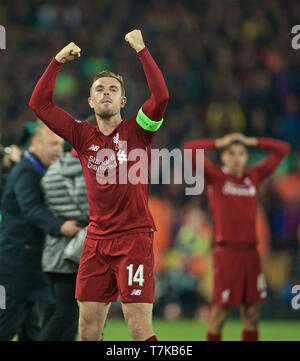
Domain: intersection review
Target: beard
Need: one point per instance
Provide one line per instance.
(106, 113)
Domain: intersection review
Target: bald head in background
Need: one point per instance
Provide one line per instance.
(46, 145)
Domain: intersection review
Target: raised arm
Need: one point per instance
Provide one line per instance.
(41, 101)
(150, 116)
(210, 170)
(278, 149)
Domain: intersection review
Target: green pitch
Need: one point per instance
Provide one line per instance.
(192, 330)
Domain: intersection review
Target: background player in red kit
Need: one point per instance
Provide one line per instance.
(232, 195)
(117, 257)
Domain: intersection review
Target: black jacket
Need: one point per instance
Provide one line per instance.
(25, 221)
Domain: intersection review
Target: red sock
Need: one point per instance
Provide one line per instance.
(213, 336)
(249, 335)
(152, 338)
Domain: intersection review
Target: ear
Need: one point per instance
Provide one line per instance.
(91, 103)
(35, 146)
(123, 102)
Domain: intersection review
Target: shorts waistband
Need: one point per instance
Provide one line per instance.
(241, 245)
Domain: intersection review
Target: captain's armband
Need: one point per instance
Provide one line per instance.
(146, 123)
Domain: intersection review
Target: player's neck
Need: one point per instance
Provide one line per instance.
(108, 125)
(236, 173)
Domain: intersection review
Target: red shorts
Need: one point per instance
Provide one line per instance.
(238, 277)
(122, 265)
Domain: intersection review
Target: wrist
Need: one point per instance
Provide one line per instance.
(252, 142)
(219, 143)
(140, 48)
(59, 59)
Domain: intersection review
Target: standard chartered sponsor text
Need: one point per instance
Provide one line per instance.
(167, 166)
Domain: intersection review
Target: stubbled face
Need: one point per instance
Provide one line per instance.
(235, 158)
(106, 97)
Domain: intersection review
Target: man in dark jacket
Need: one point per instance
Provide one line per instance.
(25, 221)
(66, 196)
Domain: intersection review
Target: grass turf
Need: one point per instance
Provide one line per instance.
(193, 330)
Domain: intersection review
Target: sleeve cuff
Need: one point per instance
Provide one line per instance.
(143, 51)
(56, 62)
(56, 227)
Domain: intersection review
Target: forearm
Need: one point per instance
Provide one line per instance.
(43, 92)
(42, 105)
(210, 170)
(278, 149)
(45, 220)
(205, 144)
(273, 145)
(31, 204)
(155, 106)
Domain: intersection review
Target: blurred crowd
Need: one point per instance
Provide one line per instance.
(229, 66)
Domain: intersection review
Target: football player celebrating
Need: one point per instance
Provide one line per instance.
(117, 256)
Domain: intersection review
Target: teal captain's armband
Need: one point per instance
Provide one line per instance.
(146, 123)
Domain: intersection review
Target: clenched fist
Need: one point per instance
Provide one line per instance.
(68, 53)
(135, 39)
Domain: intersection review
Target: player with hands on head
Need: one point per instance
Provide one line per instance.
(232, 193)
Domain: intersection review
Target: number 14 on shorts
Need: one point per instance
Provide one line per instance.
(138, 276)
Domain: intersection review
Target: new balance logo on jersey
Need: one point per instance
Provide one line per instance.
(94, 148)
(136, 293)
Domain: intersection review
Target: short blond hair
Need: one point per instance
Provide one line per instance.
(110, 74)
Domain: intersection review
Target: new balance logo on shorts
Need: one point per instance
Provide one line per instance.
(225, 295)
(94, 147)
(136, 293)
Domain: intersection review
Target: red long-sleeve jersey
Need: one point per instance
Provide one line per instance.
(232, 200)
(114, 209)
